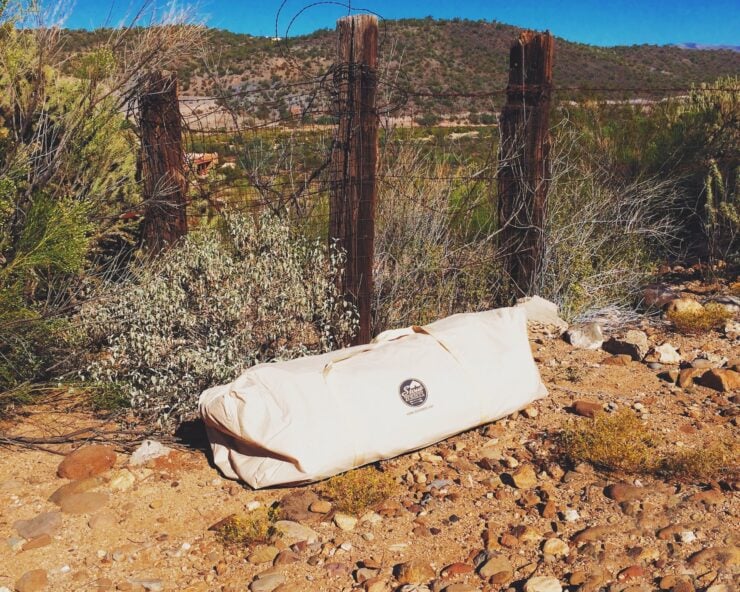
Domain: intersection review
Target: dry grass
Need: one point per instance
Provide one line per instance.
(248, 529)
(621, 442)
(617, 442)
(358, 490)
(689, 322)
(702, 463)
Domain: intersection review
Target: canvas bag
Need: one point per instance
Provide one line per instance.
(311, 418)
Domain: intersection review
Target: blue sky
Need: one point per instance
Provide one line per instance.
(600, 22)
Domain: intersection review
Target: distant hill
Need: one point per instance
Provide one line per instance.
(437, 56)
(705, 47)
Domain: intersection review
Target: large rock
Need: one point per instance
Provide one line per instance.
(414, 572)
(586, 408)
(542, 311)
(586, 336)
(296, 506)
(634, 343)
(87, 461)
(721, 379)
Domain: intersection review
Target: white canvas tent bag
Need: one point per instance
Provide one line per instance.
(311, 418)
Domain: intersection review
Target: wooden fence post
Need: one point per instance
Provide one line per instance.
(162, 164)
(354, 161)
(524, 170)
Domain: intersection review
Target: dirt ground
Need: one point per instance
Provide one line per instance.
(152, 532)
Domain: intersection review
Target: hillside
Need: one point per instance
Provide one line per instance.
(439, 56)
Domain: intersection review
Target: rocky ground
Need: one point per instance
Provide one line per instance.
(490, 509)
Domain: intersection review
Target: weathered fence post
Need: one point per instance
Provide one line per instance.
(354, 160)
(162, 163)
(524, 170)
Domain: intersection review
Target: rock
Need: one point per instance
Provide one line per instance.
(295, 506)
(87, 461)
(377, 584)
(263, 554)
(667, 354)
(684, 306)
(586, 408)
(630, 573)
(494, 565)
(150, 585)
(670, 376)
(42, 541)
(634, 344)
(624, 492)
(556, 548)
(728, 556)
(32, 581)
(103, 520)
(267, 583)
(46, 523)
(462, 587)
(122, 480)
(687, 375)
(456, 569)
(618, 360)
(286, 557)
(320, 507)
(542, 311)
(79, 486)
(593, 533)
(414, 572)
(571, 515)
(586, 336)
(524, 477)
(345, 521)
(147, 451)
(293, 532)
(731, 329)
(543, 584)
(656, 296)
(721, 379)
(84, 503)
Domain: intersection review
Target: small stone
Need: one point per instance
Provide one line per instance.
(687, 536)
(494, 565)
(630, 573)
(320, 507)
(294, 531)
(624, 492)
(267, 583)
(667, 354)
(253, 505)
(147, 451)
(79, 486)
(122, 480)
(634, 344)
(40, 541)
(46, 523)
(456, 569)
(543, 584)
(571, 515)
(461, 587)
(618, 360)
(593, 533)
(587, 408)
(345, 521)
(414, 572)
(524, 477)
(264, 554)
(586, 336)
(149, 585)
(32, 581)
(556, 548)
(687, 376)
(530, 412)
(721, 379)
(103, 520)
(84, 503)
(87, 461)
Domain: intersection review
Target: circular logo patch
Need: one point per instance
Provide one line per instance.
(413, 392)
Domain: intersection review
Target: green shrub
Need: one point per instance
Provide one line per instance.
(358, 490)
(711, 316)
(221, 301)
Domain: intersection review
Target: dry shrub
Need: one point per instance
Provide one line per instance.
(691, 322)
(703, 463)
(247, 529)
(358, 490)
(613, 442)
